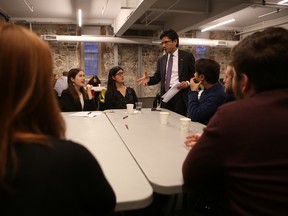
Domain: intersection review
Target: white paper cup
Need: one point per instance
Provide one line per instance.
(130, 108)
(164, 117)
(185, 124)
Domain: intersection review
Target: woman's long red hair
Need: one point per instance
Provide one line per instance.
(29, 110)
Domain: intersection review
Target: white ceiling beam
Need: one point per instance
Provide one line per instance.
(128, 17)
(130, 4)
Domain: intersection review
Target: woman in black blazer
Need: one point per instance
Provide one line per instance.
(75, 97)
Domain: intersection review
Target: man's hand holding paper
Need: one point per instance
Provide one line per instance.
(171, 92)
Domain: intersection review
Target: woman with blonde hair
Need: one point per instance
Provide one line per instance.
(41, 173)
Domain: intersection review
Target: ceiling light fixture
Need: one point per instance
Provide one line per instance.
(80, 17)
(267, 14)
(219, 24)
(282, 2)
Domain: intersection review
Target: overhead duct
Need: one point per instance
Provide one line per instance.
(207, 42)
(49, 37)
(147, 41)
(100, 39)
(203, 42)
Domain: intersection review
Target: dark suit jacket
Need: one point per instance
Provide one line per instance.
(185, 71)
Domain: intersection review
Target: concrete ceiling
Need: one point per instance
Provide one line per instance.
(153, 15)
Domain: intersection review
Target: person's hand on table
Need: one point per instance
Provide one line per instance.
(192, 139)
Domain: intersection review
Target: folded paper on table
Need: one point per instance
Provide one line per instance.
(171, 93)
(87, 114)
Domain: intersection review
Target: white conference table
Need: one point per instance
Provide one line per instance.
(97, 134)
(158, 149)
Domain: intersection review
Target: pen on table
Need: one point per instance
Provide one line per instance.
(125, 117)
(89, 113)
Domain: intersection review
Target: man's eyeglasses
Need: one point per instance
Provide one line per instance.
(165, 42)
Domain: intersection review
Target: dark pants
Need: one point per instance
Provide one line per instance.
(176, 104)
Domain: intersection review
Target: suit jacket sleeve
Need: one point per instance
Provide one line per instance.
(186, 65)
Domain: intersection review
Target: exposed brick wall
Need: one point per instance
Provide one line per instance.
(68, 55)
(150, 55)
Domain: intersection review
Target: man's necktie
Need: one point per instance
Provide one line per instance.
(168, 73)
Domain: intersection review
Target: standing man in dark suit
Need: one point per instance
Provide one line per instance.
(182, 71)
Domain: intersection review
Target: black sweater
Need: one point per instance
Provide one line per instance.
(61, 180)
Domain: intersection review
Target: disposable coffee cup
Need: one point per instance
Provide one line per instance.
(185, 124)
(164, 117)
(130, 108)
